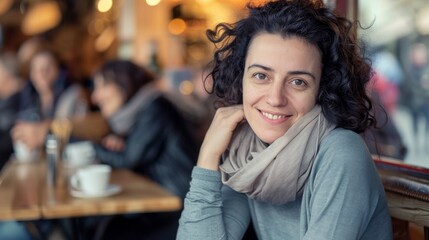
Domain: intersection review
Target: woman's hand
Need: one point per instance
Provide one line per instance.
(219, 135)
(113, 143)
(32, 134)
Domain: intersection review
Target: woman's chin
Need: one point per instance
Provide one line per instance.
(267, 138)
(106, 113)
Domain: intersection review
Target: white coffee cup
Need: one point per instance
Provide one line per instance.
(79, 153)
(23, 153)
(92, 179)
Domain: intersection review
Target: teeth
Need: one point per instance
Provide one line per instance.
(273, 117)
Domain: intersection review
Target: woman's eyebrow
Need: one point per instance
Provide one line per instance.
(295, 72)
(298, 72)
(260, 66)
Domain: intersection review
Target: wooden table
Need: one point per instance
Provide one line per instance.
(20, 186)
(26, 196)
(139, 194)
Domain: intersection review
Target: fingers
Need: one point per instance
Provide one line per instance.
(219, 135)
(17, 132)
(229, 115)
(113, 143)
(228, 118)
(31, 134)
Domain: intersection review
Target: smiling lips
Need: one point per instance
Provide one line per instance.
(273, 116)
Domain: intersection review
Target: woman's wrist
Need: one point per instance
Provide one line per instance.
(208, 161)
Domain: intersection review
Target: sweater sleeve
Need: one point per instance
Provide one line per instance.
(212, 210)
(346, 193)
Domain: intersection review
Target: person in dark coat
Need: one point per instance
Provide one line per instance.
(149, 136)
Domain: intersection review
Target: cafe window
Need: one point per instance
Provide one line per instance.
(397, 37)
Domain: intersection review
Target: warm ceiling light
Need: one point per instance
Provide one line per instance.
(153, 2)
(41, 17)
(104, 5)
(177, 26)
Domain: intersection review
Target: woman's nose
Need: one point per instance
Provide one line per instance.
(276, 96)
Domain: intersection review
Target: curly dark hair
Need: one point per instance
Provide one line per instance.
(345, 72)
(126, 74)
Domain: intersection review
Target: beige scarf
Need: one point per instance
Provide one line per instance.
(123, 120)
(275, 173)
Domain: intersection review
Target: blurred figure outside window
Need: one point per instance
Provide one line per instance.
(389, 76)
(414, 91)
(384, 139)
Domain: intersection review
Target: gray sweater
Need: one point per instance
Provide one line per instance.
(343, 199)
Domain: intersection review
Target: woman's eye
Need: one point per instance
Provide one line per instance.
(260, 76)
(298, 82)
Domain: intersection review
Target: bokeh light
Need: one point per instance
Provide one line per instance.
(177, 26)
(104, 5)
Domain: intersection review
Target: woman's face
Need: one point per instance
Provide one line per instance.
(44, 72)
(280, 83)
(108, 96)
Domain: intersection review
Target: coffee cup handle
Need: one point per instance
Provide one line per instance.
(75, 182)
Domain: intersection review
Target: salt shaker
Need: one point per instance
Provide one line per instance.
(52, 158)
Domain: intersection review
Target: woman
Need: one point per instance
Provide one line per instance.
(293, 85)
(148, 136)
(49, 94)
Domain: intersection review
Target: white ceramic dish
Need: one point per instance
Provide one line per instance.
(110, 190)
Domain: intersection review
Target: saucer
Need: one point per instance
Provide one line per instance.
(110, 190)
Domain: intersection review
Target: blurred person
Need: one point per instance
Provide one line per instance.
(388, 77)
(388, 65)
(388, 92)
(383, 139)
(424, 84)
(10, 85)
(413, 92)
(48, 93)
(149, 136)
(284, 152)
(26, 52)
